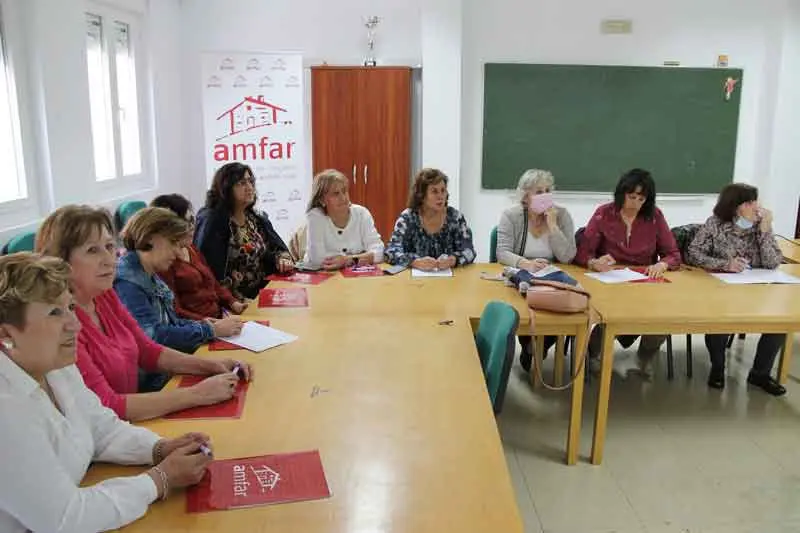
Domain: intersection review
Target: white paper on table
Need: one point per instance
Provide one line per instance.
(549, 269)
(757, 275)
(444, 273)
(620, 275)
(258, 337)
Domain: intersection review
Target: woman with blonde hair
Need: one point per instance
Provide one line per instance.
(52, 427)
(339, 233)
(112, 348)
(532, 234)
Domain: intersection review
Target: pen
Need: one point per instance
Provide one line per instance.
(205, 450)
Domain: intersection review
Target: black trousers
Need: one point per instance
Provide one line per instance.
(648, 346)
(768, 347)
(526, 341)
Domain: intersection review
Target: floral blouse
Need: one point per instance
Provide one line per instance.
(410, 241)
(245, 272)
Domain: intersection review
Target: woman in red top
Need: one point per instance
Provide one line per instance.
(631, 230)
(111, 346)
(198, 294)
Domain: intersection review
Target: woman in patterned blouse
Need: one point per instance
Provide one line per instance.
(239, 243)
(739, 236)
(430, 235)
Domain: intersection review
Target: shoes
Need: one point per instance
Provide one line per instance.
(525, 358)
(766, 383)
(716, 378)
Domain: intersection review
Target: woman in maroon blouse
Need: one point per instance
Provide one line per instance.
(631, 230)
(198, 294)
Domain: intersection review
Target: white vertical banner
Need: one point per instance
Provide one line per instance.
(253, 114)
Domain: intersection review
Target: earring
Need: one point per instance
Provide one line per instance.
(8, 344)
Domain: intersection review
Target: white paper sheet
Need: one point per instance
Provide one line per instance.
(257, 337)
(446, 273)
(757, 275)
(621, 275)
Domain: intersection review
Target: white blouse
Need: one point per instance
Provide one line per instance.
(324, 239)
(538, 247)
(44, 456)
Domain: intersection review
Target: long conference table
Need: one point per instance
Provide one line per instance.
(392, 394)
(790, 249)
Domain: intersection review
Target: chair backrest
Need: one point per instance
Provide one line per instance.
(579, 235)
(684, 235)
(493, 245)
(496, 341)
(297, 243)
(23, 242)
(125, 211)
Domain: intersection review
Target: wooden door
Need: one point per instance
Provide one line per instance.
(384, 135)
(334, 123)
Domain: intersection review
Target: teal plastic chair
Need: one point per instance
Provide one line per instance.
(125, 211)
(493, 245)
(496, 341)
(21, 243)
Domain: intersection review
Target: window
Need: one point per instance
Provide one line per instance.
(113, 95)
(13, 185)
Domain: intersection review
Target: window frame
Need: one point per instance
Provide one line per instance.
(122, 185)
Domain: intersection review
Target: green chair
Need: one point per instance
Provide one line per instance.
(493, 245)
(125, 211)
(21, 243)
(496, 342)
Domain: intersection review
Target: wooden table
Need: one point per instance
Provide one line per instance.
(694, 302)
(395, 402)
(790, 249)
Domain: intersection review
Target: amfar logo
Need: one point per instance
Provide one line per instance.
(295, 196)
(283, 214)
(265, 477)
(270, 197)
(253, 64)
(227, 64)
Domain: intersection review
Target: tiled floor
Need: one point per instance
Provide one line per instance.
(679, 457)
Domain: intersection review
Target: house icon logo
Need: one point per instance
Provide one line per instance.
(249, 114)
(270, 197)
(295, 196)
(227, 64)
(282, 214)
(292, 82)
(240, 81)
(266, 81)
(266, 477)
(279, 64)
(253, 64)
(214, 81)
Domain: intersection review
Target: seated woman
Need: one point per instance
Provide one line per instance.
(739, 236)
(430, 235)
(54, 427)
(112, 348)
(339, 233)
(153, 238)
(198, 294)
(532, 234)
(239, 244)
(631, 230)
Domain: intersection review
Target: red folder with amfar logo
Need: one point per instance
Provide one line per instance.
(263, 480)
(283, 298)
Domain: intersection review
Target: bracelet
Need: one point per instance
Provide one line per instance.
(164, 481)
(158, 451)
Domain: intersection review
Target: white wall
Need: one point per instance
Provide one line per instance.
(692, 32)
(54, 97)
(331, 32)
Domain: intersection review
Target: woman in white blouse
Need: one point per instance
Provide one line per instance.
(340, 234)
(52, 427)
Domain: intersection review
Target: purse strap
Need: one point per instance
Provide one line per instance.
(521, 252)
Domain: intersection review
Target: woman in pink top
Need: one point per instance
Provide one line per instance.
(111, 346)
(631, 230)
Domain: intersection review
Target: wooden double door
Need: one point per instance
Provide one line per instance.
(361, 126)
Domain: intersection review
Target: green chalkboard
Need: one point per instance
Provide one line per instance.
(589, 124)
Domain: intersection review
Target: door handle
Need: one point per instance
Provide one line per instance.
(366, 169)
(354, 173)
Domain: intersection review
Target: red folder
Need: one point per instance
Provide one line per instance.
(366, 271)
(219, 344)
(283, 298)
(229, 409)
(648, 280)
(262, 480)
(307, 278)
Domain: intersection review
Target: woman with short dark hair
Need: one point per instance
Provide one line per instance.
(631, 230)
(429, 234)
(739, 236)
(238, 242)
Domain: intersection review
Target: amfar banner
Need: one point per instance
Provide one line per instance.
(253, 113)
